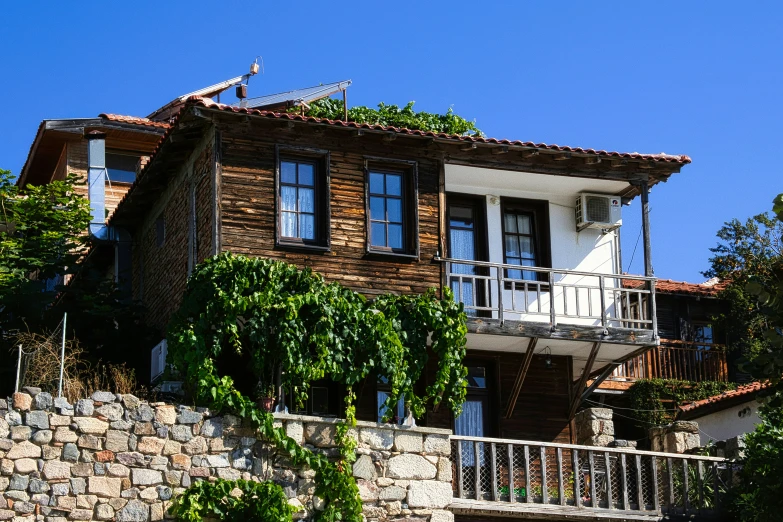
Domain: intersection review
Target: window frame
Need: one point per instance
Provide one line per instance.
(542, 242)
(410, 205)
(321, 160)
(127, 153)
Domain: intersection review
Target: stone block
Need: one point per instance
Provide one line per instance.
(320, 435)
(156, 512)
(295, 430)
(24, 450)
(54, 470)
(376, 438)
(410, 466)
(118, 470)
(181, 432)
(13, 418)
(86, 501)
(437, 445)
(112, 412)
(444, 469)
(103, 396)
(61, 488)
(228, 473)
(393, 493)
(408, 442)
(212, 427)
(364, 468)
(22, 401)
(146, 477)
(25, 466)
(172, 448)
(104, 512)
(64, 434)
(6, 466)
(131, 458)
(88, 441)
(38, 486)
(78, 485)
(20, 433)
(82, 469)
(166, 414)
(148, 494)
(130, 401)
(195, 446)
(63, 407)
(134, 511)
(189, 416)
(5, 429)
(144, 413)
(70, 452)
(368, 490)
(59, 420)
(441, 515)
(19, 482)
(116, 441)
(180, 461)
(150, 446)
(43, 401)
(90, 425)
(429, 494)
(84, 407)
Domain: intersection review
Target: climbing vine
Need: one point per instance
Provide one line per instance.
(394, 116)
(282, 323)
(233, 501)
(654, 402)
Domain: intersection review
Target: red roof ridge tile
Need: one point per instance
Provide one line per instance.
(134, 119)
(740, 391)
(662, 157)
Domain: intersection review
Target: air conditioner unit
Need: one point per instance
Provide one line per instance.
(598, 211)
(158, 362)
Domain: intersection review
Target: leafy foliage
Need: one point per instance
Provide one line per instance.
(394, 116)
(41, 235)
(277, 320)
(233, 501)
(647, 398)
(757, 497)
(746, 252)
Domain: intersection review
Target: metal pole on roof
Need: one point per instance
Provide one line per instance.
(345, 104)
(648, 268)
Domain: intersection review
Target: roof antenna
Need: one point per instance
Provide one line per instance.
(242, 87)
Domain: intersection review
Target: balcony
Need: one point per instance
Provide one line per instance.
(553, 303)
(503, 477)
(682, 360)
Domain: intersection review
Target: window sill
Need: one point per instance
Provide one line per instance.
(392, 255)
(286, 245)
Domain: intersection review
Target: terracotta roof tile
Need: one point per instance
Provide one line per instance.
(745, 390)
(709, 288)
(661, 158)
(135, 119)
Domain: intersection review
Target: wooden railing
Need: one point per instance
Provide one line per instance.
(683, 360)
(512, 292)
(617, 479)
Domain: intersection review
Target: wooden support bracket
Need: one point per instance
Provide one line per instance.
(523, 368)
(577, 395)
(500, 150)
(468, 146)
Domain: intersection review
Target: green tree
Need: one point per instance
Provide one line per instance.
(394, 116)
(42, 235)
(747, 252)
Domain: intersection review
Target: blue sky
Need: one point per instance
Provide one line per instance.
(695, 78)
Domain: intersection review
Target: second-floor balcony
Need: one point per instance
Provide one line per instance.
(681, 360)
(554, 303)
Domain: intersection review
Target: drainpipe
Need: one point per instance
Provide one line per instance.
(99, 230)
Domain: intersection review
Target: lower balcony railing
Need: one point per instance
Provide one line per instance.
(644, 482)
(529, 293)
(683, 360)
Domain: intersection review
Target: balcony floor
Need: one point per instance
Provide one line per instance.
(522, 511)
(571, 332)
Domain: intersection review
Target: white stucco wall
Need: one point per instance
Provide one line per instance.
(728, 423)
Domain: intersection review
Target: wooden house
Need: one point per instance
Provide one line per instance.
(525, 234)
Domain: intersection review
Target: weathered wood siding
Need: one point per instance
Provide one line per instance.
(248, 207)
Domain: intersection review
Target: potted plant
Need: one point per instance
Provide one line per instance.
(265, 396)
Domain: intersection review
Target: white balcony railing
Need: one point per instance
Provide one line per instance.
(598, 478)
(511, 292)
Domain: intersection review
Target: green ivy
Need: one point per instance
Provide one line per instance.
(647, 398)
(233, 501)
(394, 116)
(290, 322)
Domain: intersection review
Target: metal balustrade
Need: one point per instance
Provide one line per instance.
(614, 479)
(512, 292)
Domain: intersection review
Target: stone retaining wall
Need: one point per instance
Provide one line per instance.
(115, 457)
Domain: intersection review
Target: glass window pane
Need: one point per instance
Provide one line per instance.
(510, 222)
(461, 217)
(320, 397)
(376, 183)
(395, 236)
(306, 174)
(288, 198)
(307, 226)
(287, 172)
(306, 200)
(524, 224)
(513, 274)
(477, 377)
(394, 210)
(376, 209)
(394, 184)
(512, 246)
(288, 224)
(526, 246)
(378, 234)
(462, 247)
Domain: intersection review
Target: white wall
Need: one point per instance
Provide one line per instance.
(728, 423)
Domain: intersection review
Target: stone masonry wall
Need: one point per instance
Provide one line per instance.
(115, 457)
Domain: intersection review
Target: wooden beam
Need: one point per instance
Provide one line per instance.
(500, 150)
(523, 368)
(619, 163)
(563, 156)
(391, 136)
(577, 396)
(592, 160)
(357, 133)
(598, 380)
(468, 146)
(529, 153)
(569, 332)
